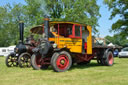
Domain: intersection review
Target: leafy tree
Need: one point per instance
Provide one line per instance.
(82, 11)
(9, 24)
(117, 40)
(119, 7)
(33, 12)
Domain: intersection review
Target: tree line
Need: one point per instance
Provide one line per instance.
(33, 11)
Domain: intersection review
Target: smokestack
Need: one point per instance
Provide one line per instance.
(46, 26)
(21, 29)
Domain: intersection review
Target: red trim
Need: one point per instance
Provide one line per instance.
(64, 26)
(85, 45)
(73, 32)
(80, 31)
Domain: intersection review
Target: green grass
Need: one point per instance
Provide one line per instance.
(91, 74)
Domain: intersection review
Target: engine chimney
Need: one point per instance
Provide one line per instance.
(46, 26)
(21, 29)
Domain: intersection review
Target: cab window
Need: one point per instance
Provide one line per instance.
(77, 31)
(69, 29)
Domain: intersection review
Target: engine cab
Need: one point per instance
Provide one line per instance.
(73, 36)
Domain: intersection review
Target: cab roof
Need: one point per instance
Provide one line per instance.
(65, 22)
(37, 29)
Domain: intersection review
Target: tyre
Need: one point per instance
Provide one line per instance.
(24, 60)
(61, 61)
(101, 61)
(109, 59)
(37, 62)
(11, 60)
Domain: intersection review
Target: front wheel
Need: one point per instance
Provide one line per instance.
(24, 60)
(61, 61)
(11, 60)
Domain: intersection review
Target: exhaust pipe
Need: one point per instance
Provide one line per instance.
(46, 26)
(21, 30)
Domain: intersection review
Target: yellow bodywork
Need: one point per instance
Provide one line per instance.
(73, 44)
(89, 40)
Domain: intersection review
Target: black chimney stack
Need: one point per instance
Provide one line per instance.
(21, 28)
(46, 26)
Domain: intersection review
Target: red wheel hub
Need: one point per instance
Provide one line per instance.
(110, 58)
(62, 62)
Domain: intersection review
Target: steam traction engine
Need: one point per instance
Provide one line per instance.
(65, 43)
(22, 52)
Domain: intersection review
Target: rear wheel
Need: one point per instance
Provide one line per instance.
(11, 60)
(101, 61)
(109, 59)
(24, 60)
(61, 61)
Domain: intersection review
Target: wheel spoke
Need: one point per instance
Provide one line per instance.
(28, 64)
(11, 64)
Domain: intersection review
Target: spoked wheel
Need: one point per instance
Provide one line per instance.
(11, 60)
(38, 62)
(24, 60)
(61, 61)
(109, 59)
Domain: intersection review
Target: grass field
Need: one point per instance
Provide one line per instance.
(91, 74)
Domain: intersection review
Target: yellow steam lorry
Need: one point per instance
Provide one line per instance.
(65, 43)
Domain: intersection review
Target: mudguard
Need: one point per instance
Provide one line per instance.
(45, 47)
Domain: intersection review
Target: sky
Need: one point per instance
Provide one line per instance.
(104, 22)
